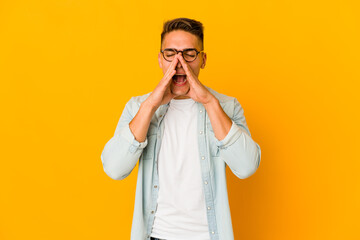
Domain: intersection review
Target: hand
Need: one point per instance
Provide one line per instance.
(197, 91)
(162, 93)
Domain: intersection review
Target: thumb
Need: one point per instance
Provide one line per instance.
(189, 93)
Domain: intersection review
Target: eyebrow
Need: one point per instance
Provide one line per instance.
(181, 50)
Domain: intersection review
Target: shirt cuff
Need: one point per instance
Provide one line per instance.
(234, 133)
(135, 145)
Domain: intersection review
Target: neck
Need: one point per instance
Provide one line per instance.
(181, 97)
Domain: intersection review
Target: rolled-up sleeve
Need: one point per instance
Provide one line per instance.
(239, 151)
(230, 138)
(122, 151)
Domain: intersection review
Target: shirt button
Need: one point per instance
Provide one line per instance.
(155, 186)
(206, 182)
(160, 116)
(209, 208)
(152, 212)
(201, 111)
(202, 157)
(201, 132)
(213, 232)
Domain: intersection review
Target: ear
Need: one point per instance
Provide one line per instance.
(204, 57)
(159, 59)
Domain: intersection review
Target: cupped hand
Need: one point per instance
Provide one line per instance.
(198, 92)
(162, 93)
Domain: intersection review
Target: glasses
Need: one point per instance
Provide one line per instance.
(189, 54)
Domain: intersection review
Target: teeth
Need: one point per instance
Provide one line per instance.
(179, 81)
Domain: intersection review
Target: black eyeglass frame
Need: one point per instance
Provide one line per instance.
(177, 51)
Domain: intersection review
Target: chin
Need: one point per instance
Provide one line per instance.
(179, 91)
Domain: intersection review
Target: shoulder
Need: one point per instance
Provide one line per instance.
(134, 103)
(223, 99)
(139, 99)
(228, 103)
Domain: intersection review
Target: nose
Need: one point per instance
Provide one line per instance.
(179, 63)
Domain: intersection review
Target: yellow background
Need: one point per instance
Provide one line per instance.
(67, 68)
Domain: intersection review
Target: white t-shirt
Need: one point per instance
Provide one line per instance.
(181, 209)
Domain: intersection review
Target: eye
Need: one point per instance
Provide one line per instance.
(169, 53)
(190, 53)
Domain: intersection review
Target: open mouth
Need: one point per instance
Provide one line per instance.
(179, 79)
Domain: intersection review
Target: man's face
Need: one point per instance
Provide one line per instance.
(180, 40)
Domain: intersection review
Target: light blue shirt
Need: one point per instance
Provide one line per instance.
(237, 150)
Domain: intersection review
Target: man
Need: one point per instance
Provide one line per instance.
(184, 134)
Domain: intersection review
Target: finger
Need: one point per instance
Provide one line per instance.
(166, 80)
(189, 73)
(171, 70)
(173, 63)
(186, 66)
(190, 93)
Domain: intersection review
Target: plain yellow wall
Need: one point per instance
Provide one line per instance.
(67, 68)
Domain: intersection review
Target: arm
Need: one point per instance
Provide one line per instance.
(122, 151)
(237, 148)
(240, 152)
(220, 122)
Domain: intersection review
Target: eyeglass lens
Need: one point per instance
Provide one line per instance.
(188, 55)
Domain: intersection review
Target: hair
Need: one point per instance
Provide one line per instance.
(188, 25)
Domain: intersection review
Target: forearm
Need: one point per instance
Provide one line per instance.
(220, 121)
(240, 152)
(236, 147)
(121, 154)
(123, 150)
(139, 125)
